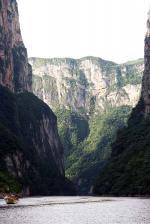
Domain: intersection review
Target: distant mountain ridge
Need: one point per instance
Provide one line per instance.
(87, 84)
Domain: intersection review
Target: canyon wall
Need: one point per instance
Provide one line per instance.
(30, 147)
(15, 72)
(88, 84)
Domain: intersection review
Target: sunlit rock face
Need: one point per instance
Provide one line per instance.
(15, 72)
(88, 84)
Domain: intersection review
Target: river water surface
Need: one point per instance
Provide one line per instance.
(76, 210)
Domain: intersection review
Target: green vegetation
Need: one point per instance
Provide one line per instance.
(88, 132)
(138, 61)
(73, 129)
(127, 172)
(21, 165)
(10, 144)
(87, 142)
(8, 183)
(132, 77)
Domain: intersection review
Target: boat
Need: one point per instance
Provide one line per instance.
(11, 199)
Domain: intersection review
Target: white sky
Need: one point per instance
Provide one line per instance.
(110, 29)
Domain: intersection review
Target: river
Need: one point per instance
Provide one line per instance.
(76, 210)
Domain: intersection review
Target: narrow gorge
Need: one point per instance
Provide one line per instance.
(101, 111)
(92, 99)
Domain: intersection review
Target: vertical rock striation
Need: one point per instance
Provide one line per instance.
(88, 84)
(146, 77)
(15, 72)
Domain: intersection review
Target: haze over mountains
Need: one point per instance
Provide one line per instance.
(100, 127)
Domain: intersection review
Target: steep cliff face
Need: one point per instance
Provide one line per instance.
(86, 85)
(127, 171)
(146, 77)
(30, 149)
(38, 126)
(15, 72)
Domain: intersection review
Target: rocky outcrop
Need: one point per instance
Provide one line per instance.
(15, 72)
(88, 84)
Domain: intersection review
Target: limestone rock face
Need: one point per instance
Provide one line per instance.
(88, 84)
(15, 72)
